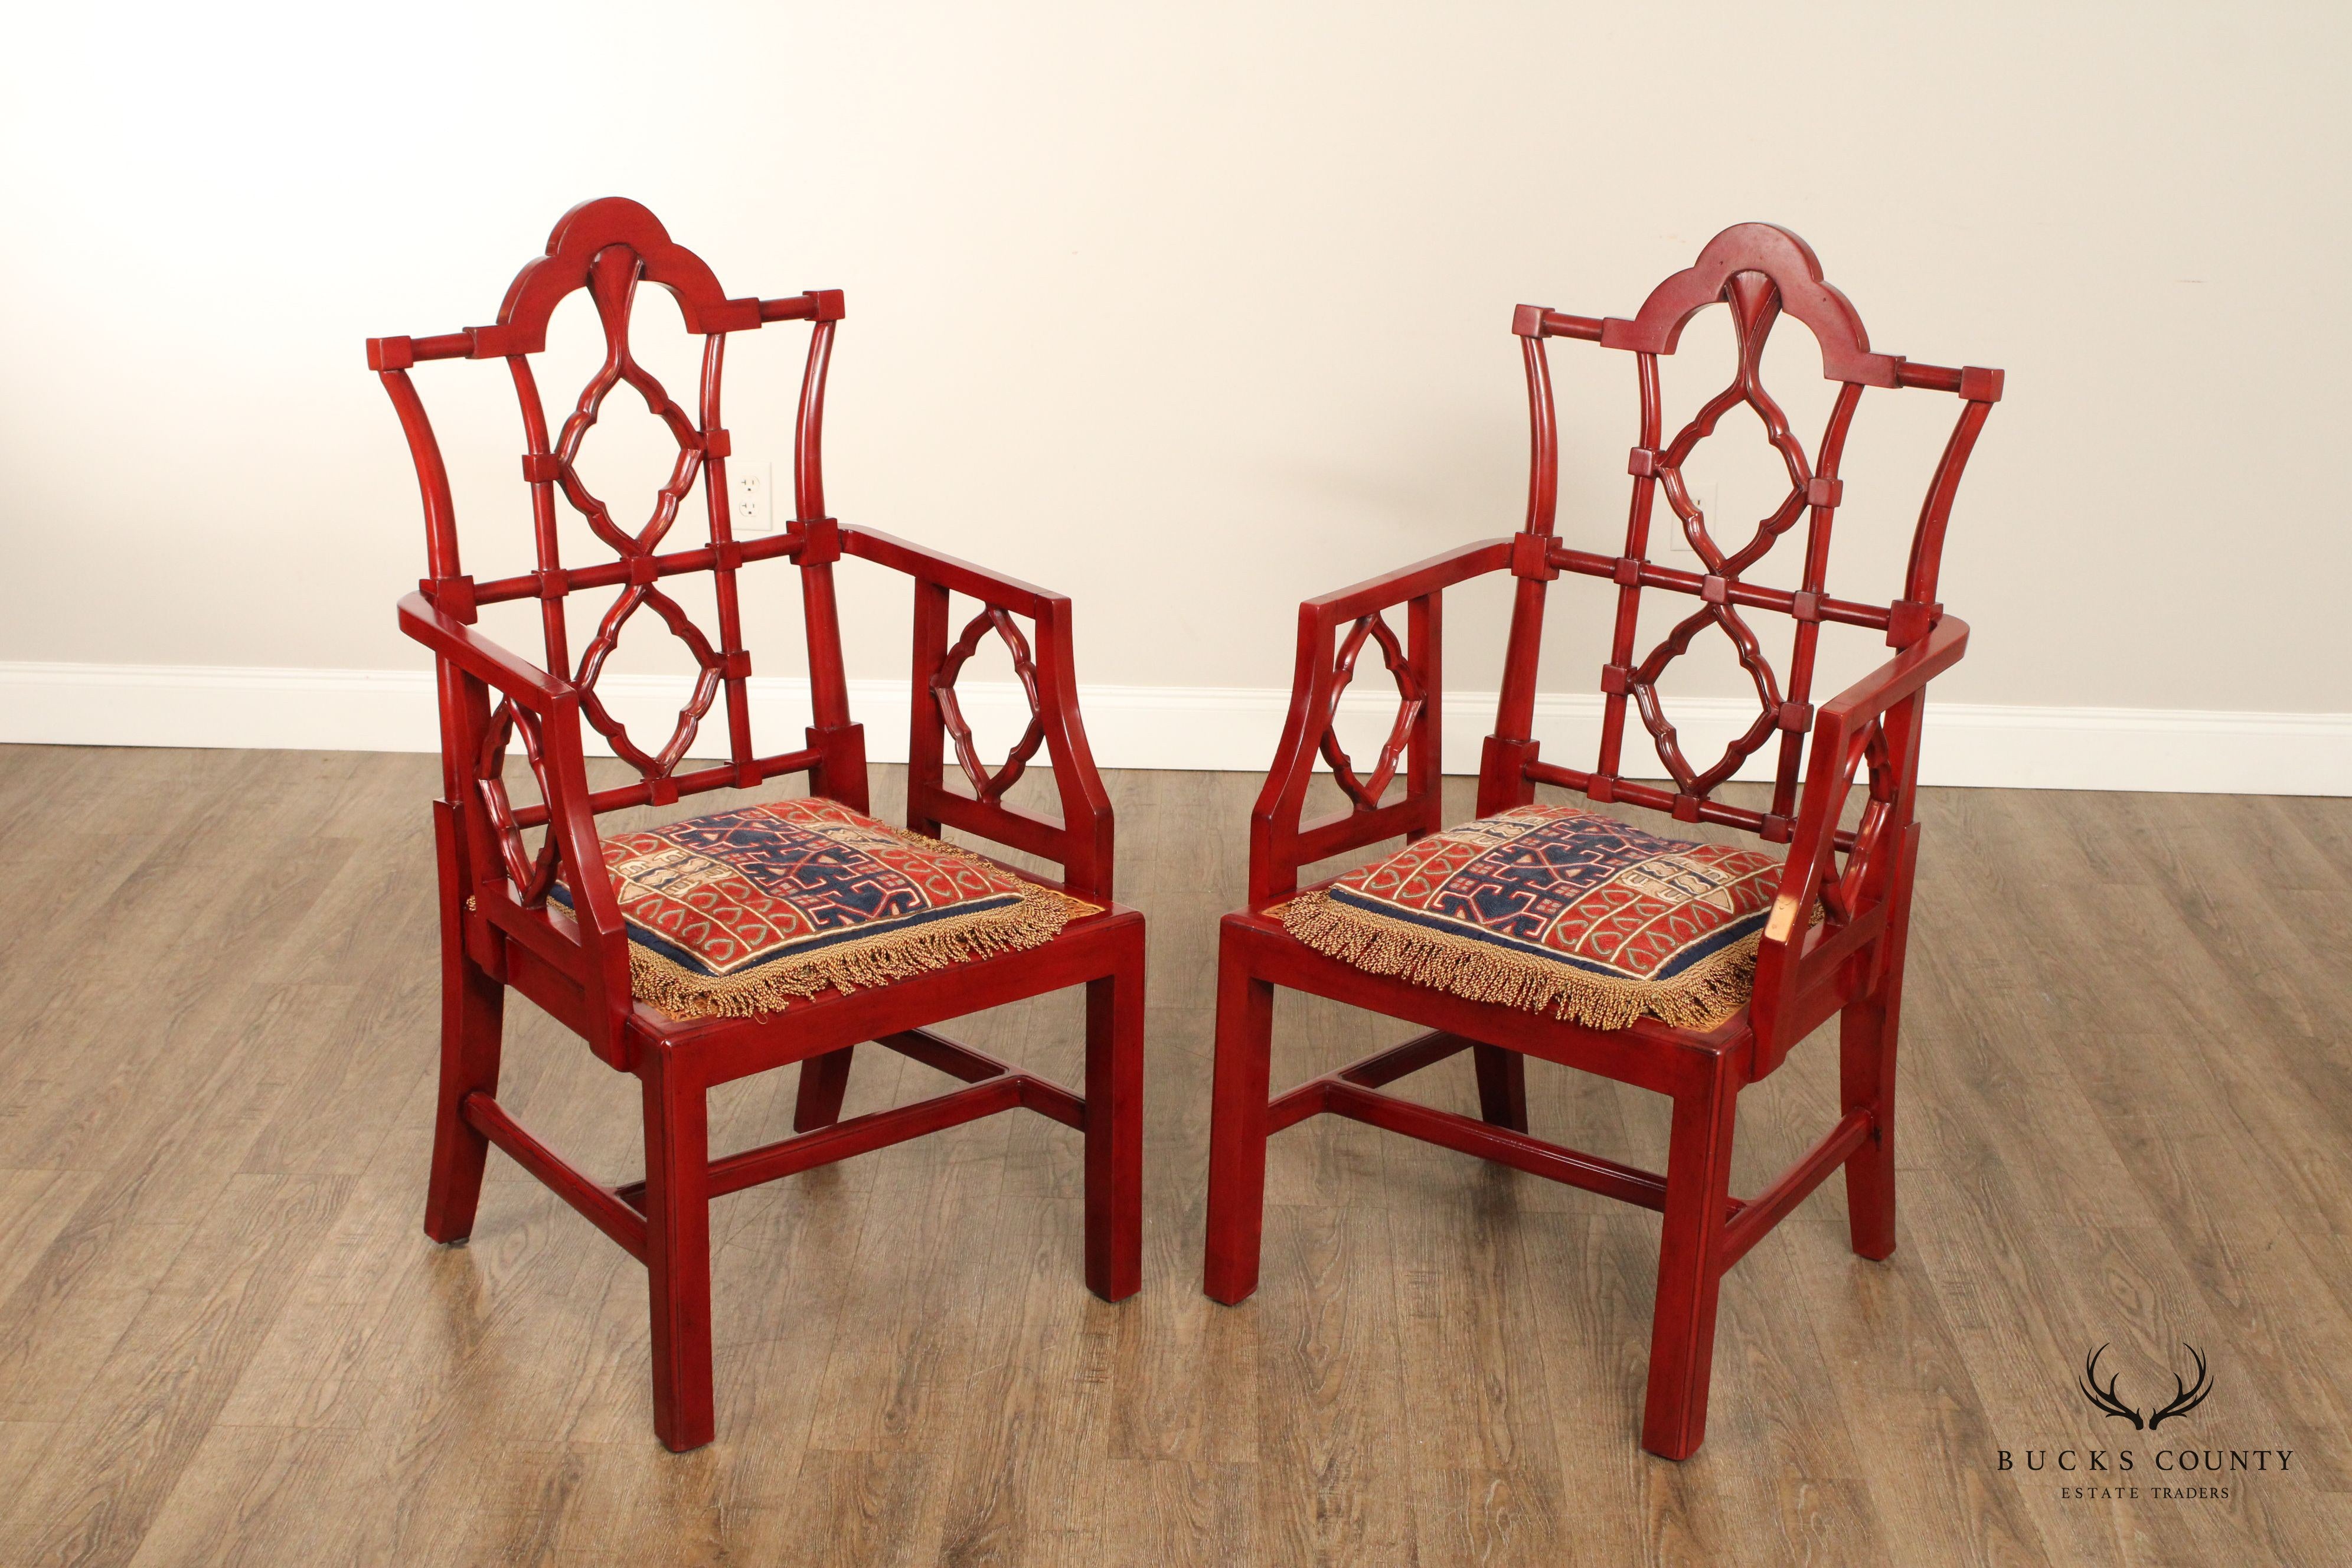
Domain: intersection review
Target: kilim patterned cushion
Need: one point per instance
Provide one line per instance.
(1554, 906)
(736, 912)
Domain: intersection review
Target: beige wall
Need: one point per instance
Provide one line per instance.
(1191, 312)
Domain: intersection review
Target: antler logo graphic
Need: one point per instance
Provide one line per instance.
(2105, 1398)
(2186, 1396)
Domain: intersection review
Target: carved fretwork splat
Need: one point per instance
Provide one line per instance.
(1367, 792)
(613, 283)
(532, 877)
(986, 785)
(1755, 306)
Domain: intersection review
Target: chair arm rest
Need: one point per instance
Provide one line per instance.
(1840, 731)
(931, 566)
(1279, 843)
(1877, 720)
(1439, 572)
(482, 658)
(492, 845)
(1898, 678)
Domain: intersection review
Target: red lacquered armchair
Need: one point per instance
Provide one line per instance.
(770, 934)
(1560, 933)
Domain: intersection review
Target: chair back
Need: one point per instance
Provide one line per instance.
(1760, 273)
(611, 247)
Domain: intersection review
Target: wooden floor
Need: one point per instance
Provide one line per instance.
(224, 1338)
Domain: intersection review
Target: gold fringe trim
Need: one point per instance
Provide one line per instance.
(875, 960)
(1698, 998)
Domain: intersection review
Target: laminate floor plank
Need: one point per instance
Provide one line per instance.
(143, 1418)
(2124, 1104)
(1334, 1462)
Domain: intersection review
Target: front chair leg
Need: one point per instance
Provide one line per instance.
(1113, 1130)
(473, 1015)
(1502, 1086)
(1690, 1270)
(1237, 1130)
(824, 1080)
(1866, 1074)
(678, 1248)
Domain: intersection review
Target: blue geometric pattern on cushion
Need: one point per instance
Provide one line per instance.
(1544, 903)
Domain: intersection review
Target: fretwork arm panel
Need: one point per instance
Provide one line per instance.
(610, 248)
(1045, 669)
(1340, 637)
(1760, 273)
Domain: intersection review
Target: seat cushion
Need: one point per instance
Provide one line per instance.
(738, 911)
(1552, 906)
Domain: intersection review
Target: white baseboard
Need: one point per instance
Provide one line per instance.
(1227, 728)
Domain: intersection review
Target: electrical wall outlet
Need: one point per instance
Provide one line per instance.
(752, 490)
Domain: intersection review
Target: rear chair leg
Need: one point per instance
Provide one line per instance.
(1113, 1130)
(824, 1080)
(473, 1014)
(1867, 1074)
(1502, 1086)
(1690, 1271)
(677, 1249)
(1237, 1130)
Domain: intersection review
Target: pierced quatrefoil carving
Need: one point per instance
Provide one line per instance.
(986, 785)
(1411, 699)
(1841, 892)
(698, 704)
(532, 877)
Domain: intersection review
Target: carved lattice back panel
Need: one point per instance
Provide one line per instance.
(611, 248)
(1759, 273)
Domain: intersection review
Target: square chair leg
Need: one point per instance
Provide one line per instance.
(1866, 1077)
(1114, 1131)
(1690, 1268)
(678, 1250)
(1502, 1086)
(473, 1015)
(824, 1081)
(1237, 1131)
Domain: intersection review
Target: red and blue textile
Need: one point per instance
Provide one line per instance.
(739, 911)
(1545, 904)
